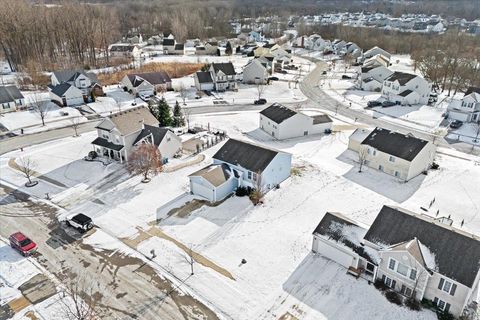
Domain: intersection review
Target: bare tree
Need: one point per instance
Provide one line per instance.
(80, 299)
(189, 258)
(256, 196)
(145, 160)
(187, 113)
(41, 108)
(183, 92)
(260, 89)
(75, 124)
(362, 156)
(27, 166)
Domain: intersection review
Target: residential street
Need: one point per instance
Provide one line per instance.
(128, 288)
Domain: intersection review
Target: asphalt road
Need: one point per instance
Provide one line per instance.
(319, 99)
(124, 287)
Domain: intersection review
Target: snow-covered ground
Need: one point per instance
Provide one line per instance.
(280, 275)
(468, 132)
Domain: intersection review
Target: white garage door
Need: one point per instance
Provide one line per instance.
(332, 253)
(202, 191)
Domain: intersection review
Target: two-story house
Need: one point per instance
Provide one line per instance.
(406, 89)
(222, 75)
(375, 51)
(466, 109)
(119, 133)
(10, 99)
(146, 83)
(73, 87)
(257, 71)
(397, 154)
(239, 163)
(282, 122)
(372, 77)
(415, 255)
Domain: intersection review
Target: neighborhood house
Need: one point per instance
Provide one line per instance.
(73, 87)
(10, 98)
(283, 122)
(406, 89)
(119, 133)
(403, 156)
(240, 163)
(222, 77)
(466, 109)
(146, 83)
(415, 255)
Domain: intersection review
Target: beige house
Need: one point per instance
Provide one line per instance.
(415, 255)
(403, 156)
(119, 133)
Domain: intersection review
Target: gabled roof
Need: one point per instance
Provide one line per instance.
(204, 77)
(59, 90)
(337, 227)
(278, 113)
(249, 156)
(179, 46)
(396, 144)
(402, 77)
(105, 143)
(472, 89)
(413, 247)
(72, 75)
(168, 42)
(157, 133)
(154, 78)
(216, 174)
(226, 67)
(405, 93)
(130, 121)
(321, 118)
(457, 253)
(122, 48)
(9, 94)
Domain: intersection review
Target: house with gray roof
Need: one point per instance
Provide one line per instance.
(203, 81)
(416, 255)
(62, 82)
(466, 109)
(406, 89)
(403, 156)
(239, 163)
(10, 98)
(67, 95)
(148, 83)
(282, 122)
(222, 76)
(120, 133)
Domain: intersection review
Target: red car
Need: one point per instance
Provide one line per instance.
(23, 244)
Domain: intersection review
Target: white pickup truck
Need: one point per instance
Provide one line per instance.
(80, 222)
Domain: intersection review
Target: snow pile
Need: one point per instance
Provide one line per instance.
(428, 257)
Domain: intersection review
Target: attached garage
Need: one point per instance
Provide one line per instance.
(214, 182)
(334, 252)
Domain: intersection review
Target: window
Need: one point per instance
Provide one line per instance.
(447, 286)
(389, 282)
(402, 269)
(391, 159)
(442, 305)
(254, 176)
(380, 167)
(397, 174)
(305, 133)
(249, 175)
(374, 152)
(413, 274)
(391, 264)
(406, 291)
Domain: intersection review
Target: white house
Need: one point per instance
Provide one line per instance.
(415, 255)
(406, 89)
(240, 163)
(66, 94)
(374, 51)
(77, 78)
(5, 67)
(283, 122)
(204, 81)
(179, 49)
(125, 50)
(403, 156)
(372, 78)
(377, 60)
(223, 77)
(466, 109)
(168, 45)
(119, 133)
(148, 83)
(256, 72)
(10, 98)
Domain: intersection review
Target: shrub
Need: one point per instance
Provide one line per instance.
(413, 304)
(256, 196)
(442, 315)
(380, 285)
(393, 297)
(435, 166)
(243, 191)
(295, 172)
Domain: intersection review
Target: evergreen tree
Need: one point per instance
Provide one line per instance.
(178, 119)
(153, 107)
(228, 49)
(164, 116)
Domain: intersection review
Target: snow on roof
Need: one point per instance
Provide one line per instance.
(428, 257)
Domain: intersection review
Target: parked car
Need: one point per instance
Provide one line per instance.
(260, 101)
(373, 103)
(273, 79)
(324, 72)
(344, 76)
(145, 96)
(22, 244)
(80, 222)
(455, 124)
(386, 104)
(282, 71)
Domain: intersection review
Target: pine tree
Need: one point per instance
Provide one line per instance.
(153, 107)
(164, 116)
(178, 119)
(228, 49)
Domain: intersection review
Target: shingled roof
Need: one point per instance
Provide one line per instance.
(9, 94)
(157, 133)
(457, 253)
(72, 75)
(216, 174)
(396, 144)
(226, 67)
(204, 77)
(249, 156)
(278, 113)
(401, 77)
(154, 78)
(130, 121)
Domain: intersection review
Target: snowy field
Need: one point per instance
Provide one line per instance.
(281, 275)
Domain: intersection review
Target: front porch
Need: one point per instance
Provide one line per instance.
(109, 150)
